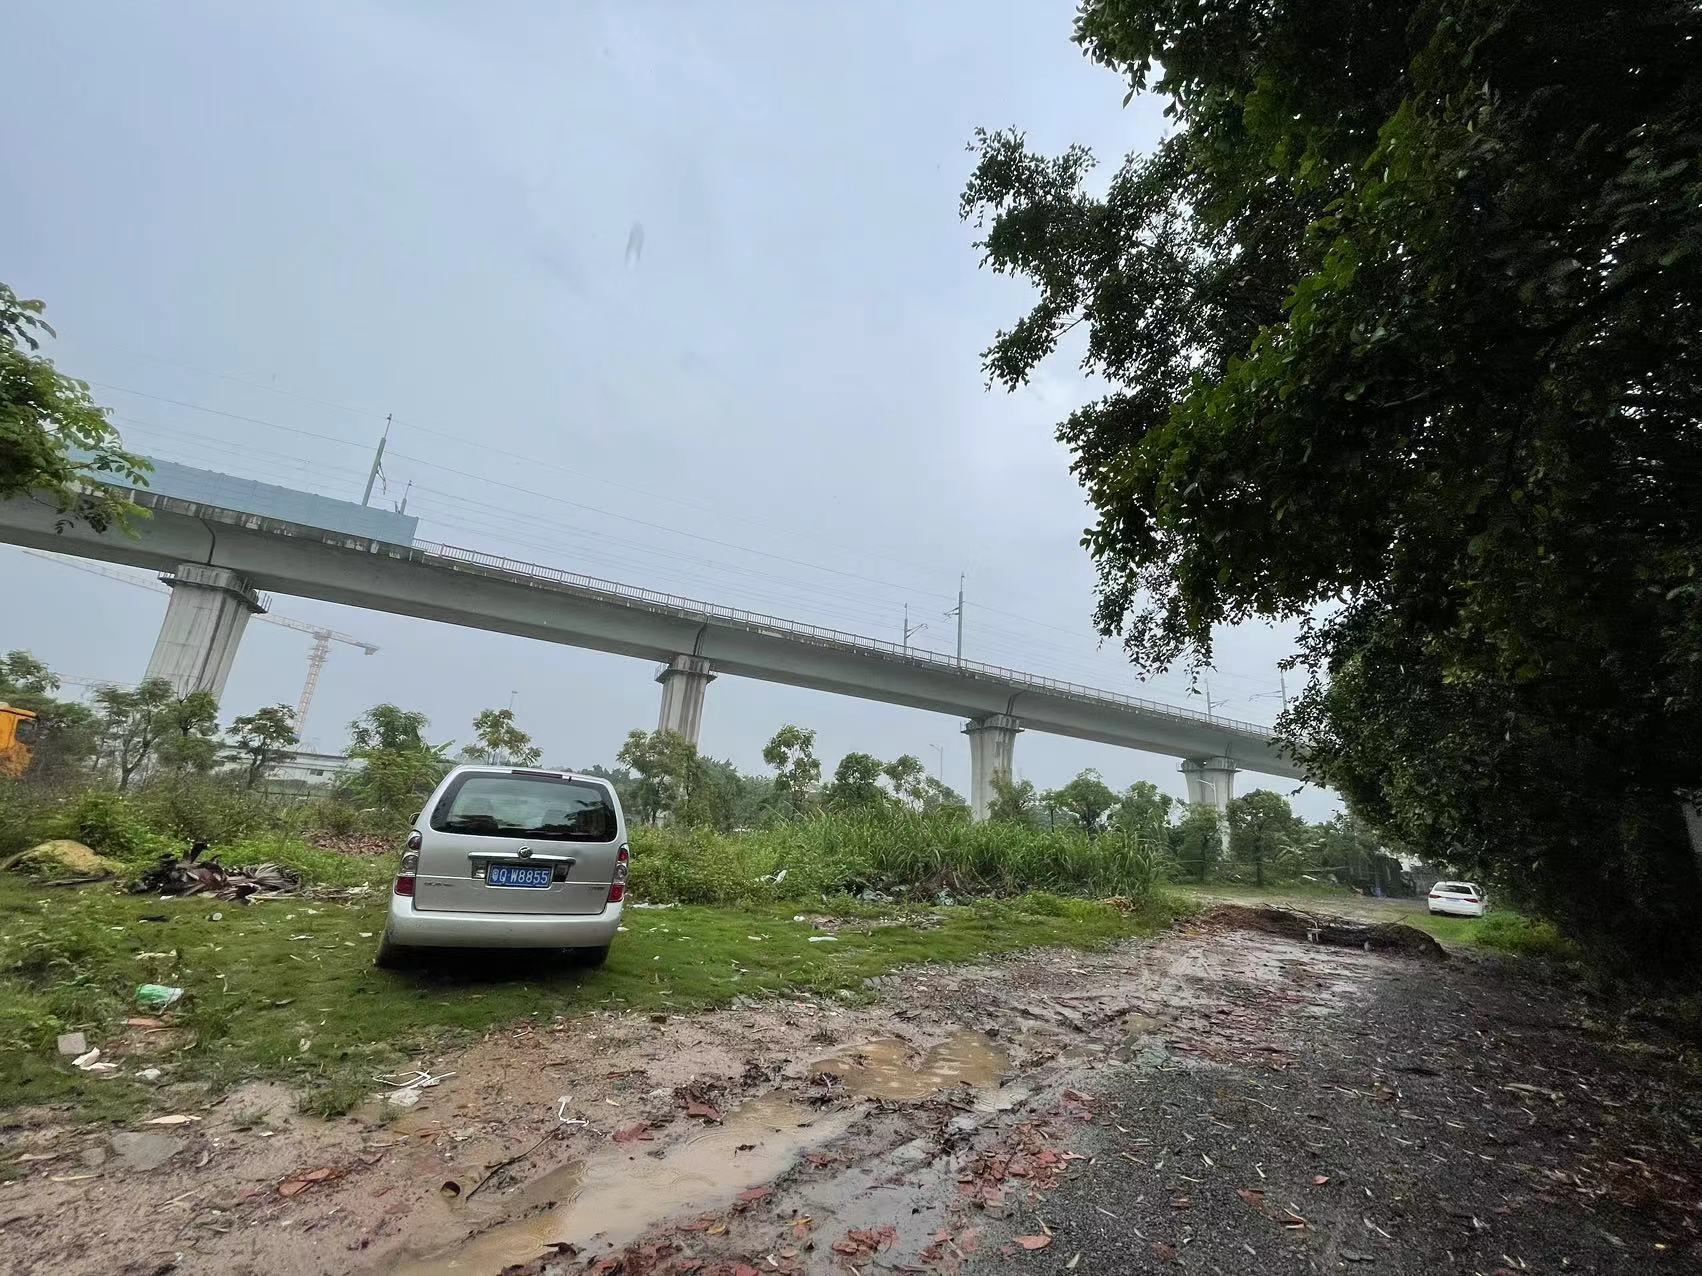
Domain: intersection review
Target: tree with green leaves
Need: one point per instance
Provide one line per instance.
(133, 722)
(1143, 811)
(1263, 829)
(1402, 324)
(399, 768)
(21, 674)
(265, 738)
(670, 775)
(188, 741)
(67, 733)
(857, 784)
(55, 441)
(1086, 800)
(939, 798)
(797, 770)
(498, 741)
(1196, 840)
(1014, 801)
(908, 779)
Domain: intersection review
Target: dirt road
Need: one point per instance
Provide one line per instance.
(1212, 1100)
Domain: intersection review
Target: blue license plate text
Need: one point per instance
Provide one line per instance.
(517, 875)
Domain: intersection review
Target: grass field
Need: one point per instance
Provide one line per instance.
(286, 990)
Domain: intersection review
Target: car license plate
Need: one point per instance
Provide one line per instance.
(518, 875)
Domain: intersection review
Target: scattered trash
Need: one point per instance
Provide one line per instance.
(824, 939)
(216, 917)
(176, 1118)
(150, 1075)
(193, 876)
(157, 996)
(404, 1098)
(420, 1080)
(91, 1062)
(72, 1043)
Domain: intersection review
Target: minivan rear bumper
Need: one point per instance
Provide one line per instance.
(416, 928)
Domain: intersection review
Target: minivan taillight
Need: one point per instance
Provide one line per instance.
(617, 887)
(410, 865)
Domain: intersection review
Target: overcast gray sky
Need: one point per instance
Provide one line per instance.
(300, 217)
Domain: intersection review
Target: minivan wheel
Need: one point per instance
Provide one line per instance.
(592, 957)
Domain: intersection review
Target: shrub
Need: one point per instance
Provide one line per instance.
(111, 824)
(890, 851)
(1526, 936)
(28, 815)
(202, 808)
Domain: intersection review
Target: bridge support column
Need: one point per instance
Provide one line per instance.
(204, 620)
(1211, 782)
(684, 680)
(992, 746)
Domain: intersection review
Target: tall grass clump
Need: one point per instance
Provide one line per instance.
(891, 852)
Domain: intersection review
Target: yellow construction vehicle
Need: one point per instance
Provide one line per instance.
(18, 730)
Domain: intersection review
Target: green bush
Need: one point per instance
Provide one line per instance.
(1526, 936)
(202, 808)
(28, 815)
(112, 824)
(893, 852)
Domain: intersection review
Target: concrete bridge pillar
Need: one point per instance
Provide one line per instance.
(204, 620)
(992, 746)
(1211, 782)
(683, 680)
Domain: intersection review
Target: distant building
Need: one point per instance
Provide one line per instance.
(208, 487)
(299, 770)
(316, 770)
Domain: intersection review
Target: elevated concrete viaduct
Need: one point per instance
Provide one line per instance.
(217, 558)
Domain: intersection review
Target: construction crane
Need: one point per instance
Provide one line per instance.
(316, 657)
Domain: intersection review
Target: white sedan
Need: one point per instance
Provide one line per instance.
(1458, 899)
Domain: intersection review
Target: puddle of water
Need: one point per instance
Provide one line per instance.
(618, 1194)
(887, 1068)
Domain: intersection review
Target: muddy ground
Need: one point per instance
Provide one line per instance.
(1214, 1100)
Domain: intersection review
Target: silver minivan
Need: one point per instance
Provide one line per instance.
(510, 857)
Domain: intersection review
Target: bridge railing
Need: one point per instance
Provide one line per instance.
(461, 559)
(693, 608)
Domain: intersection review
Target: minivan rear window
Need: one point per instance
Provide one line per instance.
(532, 806)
